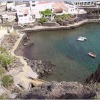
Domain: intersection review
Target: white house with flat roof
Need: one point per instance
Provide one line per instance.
(24, 15)
(72, 9)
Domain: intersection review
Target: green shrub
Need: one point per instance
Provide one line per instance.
(4, 96)
(5, 58)
(42, 20)
(7, 81)
(47, 12)
(13, 33)
(58, 19)
(2, 49)
(2, 70)
(63, 17)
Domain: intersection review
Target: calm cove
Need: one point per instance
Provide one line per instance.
(69, 55)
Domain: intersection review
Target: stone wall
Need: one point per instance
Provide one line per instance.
(50, 24)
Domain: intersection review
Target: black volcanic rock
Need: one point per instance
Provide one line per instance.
(43, 68)
(94, 77)
(62, 90)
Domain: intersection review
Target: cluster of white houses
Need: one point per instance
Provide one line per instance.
(29, 11)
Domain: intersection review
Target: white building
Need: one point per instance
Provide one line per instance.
(10, 5)
(17, 7)
(9, 17)
(24, 15)
(3, 3)
(72, 9)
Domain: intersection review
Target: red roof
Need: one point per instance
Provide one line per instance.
(59, 7)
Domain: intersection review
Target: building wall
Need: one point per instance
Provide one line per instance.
(24, 15)
(10, 5)
(72, 9)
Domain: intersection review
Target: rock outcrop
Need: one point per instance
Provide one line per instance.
(62, 90)
(43, 68)
(95, 77)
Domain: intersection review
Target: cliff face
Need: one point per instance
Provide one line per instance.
(62, 90)
(94, 77)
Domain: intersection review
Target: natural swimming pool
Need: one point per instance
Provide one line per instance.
(69, 55)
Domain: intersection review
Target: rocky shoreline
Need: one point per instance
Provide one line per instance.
(94, 77)
(62, 90)
(43, 68)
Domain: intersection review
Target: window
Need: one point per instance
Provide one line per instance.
(25, 14)
(33, 4)
(9, 1)
(20, 15)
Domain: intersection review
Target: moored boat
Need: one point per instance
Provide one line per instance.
(92, 54)
(82, 38)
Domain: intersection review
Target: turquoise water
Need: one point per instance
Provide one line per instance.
(69, 55)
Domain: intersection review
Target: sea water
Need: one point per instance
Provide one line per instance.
(69, 55)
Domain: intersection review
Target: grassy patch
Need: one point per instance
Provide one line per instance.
(7, 81)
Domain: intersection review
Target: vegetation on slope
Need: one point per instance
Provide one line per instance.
(7, 81)
(6, 60)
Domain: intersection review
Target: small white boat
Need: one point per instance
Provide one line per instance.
(82, 38)
(92, 54)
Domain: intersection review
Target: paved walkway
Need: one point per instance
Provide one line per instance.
(56, 27)
(26, 70)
